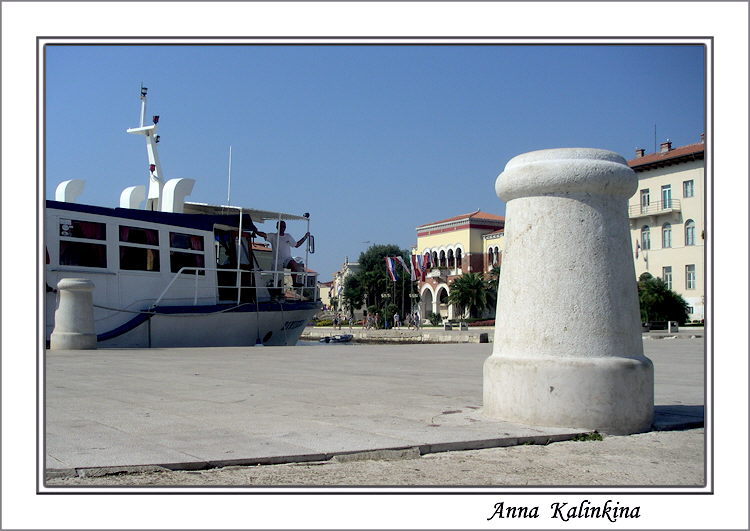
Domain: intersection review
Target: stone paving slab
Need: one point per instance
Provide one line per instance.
(202, 407)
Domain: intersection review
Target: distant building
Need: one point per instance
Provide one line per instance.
(667, 219)
(337, 284)
(456, 246)
(324, 290)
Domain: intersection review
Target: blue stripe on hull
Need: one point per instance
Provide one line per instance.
(287, 306)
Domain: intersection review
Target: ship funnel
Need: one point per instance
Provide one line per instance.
(68, 191)
(174, 193)
(132, 196)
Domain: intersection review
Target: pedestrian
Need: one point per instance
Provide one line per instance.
(396, 320)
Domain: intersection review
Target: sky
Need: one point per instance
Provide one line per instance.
(372, 141)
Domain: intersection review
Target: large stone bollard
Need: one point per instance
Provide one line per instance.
(74, 316)
(568, 349)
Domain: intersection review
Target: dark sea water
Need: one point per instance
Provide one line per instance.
(319, 344)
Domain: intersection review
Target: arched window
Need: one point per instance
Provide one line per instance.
(645, 238)
(459, 263)
(690, 232)
(490, 258)
(442, 259)
(666, 235)
(434, 259)
(451, 259)
(497, 256)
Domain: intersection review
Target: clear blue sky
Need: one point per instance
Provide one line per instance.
(371, 140)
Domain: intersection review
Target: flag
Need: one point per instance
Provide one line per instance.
(426, 264)
(637, 248)
(400, 260)
(390, 267)
(416, 266)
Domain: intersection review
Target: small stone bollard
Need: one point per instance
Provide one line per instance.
(567, 349)
(74, 317)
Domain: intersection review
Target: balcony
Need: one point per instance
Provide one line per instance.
(652, 210)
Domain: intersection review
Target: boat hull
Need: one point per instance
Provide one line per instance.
(271, 324)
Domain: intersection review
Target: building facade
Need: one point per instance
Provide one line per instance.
(336, 289)
(456, 246)
(667, 220)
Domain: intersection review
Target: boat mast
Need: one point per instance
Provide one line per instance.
(156, 176)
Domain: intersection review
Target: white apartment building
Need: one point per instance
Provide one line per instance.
(667, 220)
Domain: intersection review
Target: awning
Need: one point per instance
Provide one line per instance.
(258, 216)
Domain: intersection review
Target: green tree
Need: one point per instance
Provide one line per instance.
(368, 285)
(469, 291)
(353, 292)
(658, 302)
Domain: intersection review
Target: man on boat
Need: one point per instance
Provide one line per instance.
(282, 243)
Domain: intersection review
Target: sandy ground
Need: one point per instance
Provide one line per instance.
(674, 458)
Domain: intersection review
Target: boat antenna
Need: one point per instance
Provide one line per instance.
(229, 183)
(156, 176)
(144, 90)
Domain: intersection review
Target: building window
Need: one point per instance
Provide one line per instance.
(190, 252)
(645, 238)
(666, 276)
(142, 253)
(666, 196)
(442, 262)
(459, 261)
(644, 200)
(690, 232)
(690, 310)
(688, 188)
(78, 243)
(690, 276)
(490, 258)
(434, 259)
(666, 235)
(451, 260)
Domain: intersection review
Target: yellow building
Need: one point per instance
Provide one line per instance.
(667, 219)
(494, 245)
(455, 245)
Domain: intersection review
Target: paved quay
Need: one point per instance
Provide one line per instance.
(403, 335)
(455, 335)
(193, 409)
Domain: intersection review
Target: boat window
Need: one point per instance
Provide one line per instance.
(190, 256)
(143, 254)
(83, 254)
(139, 258)
(139, 235)
(179, 260)
(90, 230)
(178, 240)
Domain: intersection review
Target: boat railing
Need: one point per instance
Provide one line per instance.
(263, 281)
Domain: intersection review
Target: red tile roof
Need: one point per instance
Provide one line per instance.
(673, 156)
(478, 214)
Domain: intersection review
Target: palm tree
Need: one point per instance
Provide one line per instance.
(658, 302)
(469, 291)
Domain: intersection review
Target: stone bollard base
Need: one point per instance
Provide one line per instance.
(72, 341)
(613, 395)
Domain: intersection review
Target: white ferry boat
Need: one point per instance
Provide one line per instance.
(175, 273)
